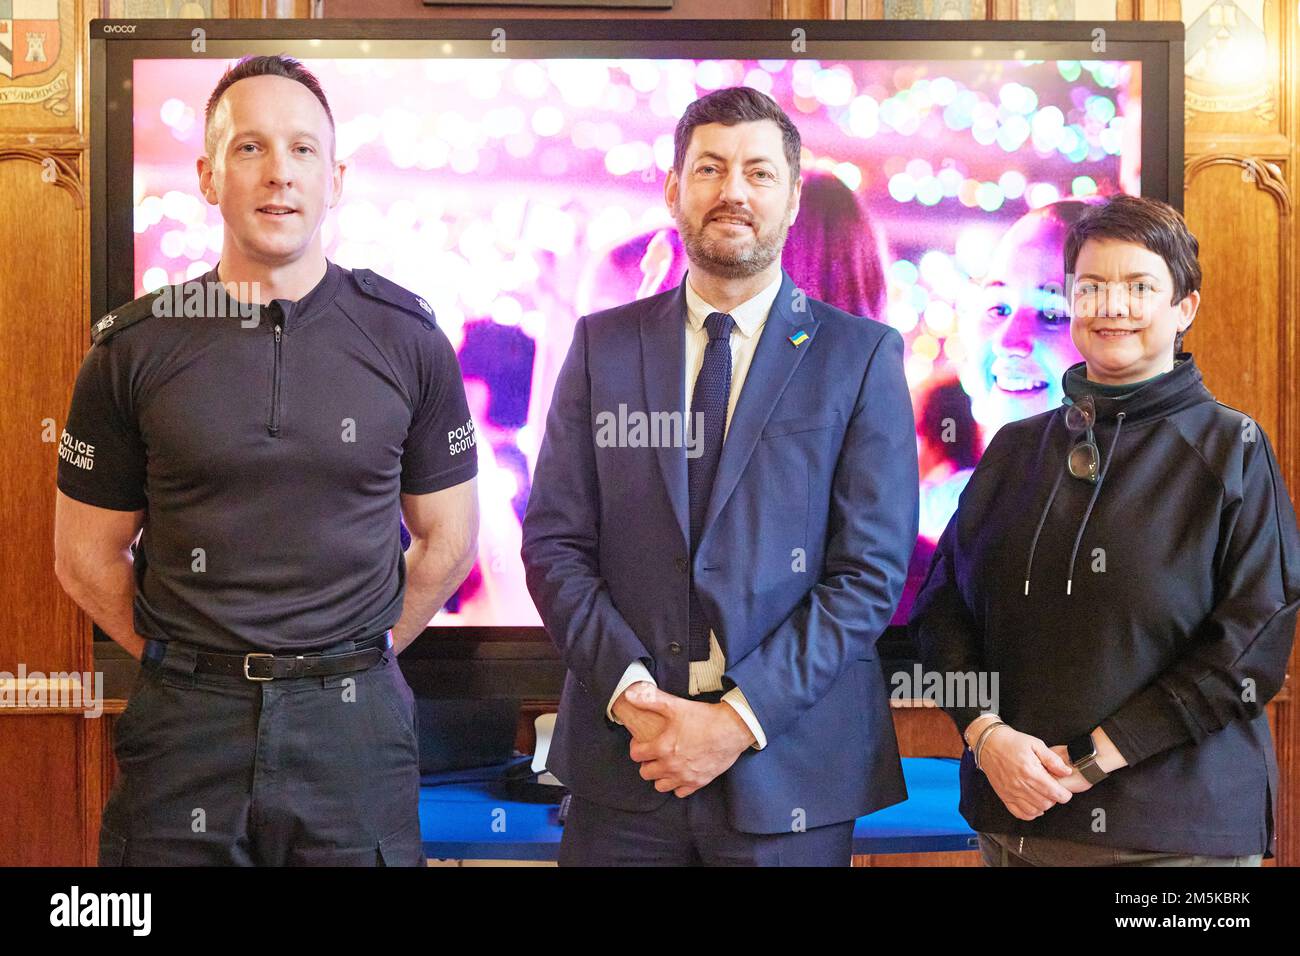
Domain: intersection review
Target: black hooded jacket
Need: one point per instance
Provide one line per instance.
(1158, 603)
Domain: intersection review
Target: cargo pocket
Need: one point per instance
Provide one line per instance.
(403, 847)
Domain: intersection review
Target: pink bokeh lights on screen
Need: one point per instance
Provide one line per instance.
(516, 195)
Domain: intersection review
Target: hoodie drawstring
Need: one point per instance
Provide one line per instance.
(1119, 423)
(1041, 521)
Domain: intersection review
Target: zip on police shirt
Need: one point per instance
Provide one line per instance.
(1158, 603)
(268, 448)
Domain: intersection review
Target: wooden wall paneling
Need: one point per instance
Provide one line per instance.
(44, 270)
(969, 858)
(1158, 9)
(43, 274)
(42, 285)
(1246, 345)
(1236, 196)
(923, 730)
(43, 814)
(1240, 189)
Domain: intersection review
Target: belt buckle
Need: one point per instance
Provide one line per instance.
(250, 676)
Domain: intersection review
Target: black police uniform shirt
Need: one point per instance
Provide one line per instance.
(268, 455)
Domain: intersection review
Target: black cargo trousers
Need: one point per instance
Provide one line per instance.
(224, 771)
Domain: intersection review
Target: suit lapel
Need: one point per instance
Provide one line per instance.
(775, 360)
(663, 357)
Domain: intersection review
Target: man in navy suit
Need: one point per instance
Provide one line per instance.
(719, 528)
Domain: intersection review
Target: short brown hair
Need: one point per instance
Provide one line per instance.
(736, 104)
(285, 66)
(1151, 223)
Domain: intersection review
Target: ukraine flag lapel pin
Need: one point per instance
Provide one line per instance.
(799, 338)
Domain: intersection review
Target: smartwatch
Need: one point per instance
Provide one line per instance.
(1083, 757)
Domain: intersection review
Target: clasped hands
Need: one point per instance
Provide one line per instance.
(682, 745)
(1030, 777)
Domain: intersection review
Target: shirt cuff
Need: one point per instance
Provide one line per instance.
(736, 699)
(636, 671)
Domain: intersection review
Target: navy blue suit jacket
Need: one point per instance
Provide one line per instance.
(801, 561)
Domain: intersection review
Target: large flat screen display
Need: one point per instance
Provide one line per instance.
(515, 181)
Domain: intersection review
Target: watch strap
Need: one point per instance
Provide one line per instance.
(1091, 771)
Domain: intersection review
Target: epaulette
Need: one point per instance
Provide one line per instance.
(385, 290)
(134, 311)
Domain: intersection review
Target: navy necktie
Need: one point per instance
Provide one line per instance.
(708, 409)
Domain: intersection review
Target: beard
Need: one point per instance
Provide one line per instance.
(730, 258)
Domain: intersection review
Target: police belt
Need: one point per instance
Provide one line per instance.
(262, 667)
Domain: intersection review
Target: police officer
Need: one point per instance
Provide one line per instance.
(262, 424)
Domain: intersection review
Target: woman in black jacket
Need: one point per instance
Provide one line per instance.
(1127, 568)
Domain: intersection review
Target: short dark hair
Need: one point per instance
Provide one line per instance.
(1148, 222)
(736, 104)
(279, 65)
